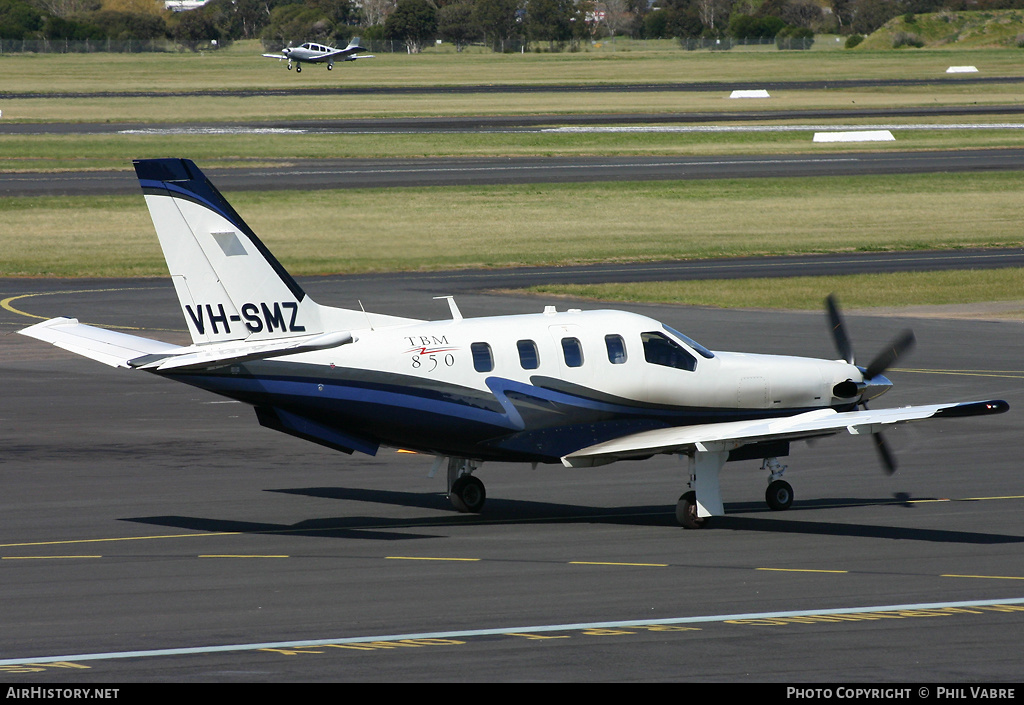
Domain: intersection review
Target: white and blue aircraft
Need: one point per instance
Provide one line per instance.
(313, 53)
(582, 388)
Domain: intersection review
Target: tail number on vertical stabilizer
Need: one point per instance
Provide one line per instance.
(279, 316)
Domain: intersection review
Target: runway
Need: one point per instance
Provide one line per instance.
(395, 173)
(142, 516)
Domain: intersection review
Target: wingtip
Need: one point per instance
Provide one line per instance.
(974, 408)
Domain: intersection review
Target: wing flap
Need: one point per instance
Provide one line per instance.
(733, 434)
(106, 346)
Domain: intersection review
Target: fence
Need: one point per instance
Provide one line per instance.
(694, 43)
(86, 46)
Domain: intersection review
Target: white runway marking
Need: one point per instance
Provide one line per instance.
(535, 629)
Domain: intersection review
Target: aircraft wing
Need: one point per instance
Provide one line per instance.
(130, 351)
(733, 434)
(275, 56)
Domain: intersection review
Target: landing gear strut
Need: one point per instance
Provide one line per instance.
(702, 467)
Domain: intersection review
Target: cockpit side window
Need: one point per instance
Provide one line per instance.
(572, 351)
(616, 349)
(659, 349)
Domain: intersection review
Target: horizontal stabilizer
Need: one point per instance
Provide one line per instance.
(733, 434)
(218, 355)
(106, 346)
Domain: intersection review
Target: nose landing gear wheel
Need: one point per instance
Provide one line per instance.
(686, 512)
(468, 495)
(779, 495)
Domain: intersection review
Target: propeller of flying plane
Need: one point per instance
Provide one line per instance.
(872, 373)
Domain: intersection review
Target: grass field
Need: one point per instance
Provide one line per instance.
(239, 86)
(320, 232)
(78, 152)
(242, 68)
(857, 291)
(501, 226)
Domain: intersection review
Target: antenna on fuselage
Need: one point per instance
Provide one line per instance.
(454, 307)
(365, 314)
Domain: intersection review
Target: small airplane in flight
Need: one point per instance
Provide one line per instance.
(313, 53)
(581, 388)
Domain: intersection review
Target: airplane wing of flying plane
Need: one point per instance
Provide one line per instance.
(583, 388)
(314, 53)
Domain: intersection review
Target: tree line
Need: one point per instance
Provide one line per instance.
(503, 25)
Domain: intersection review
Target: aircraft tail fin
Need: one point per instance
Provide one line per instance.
(229, 284)
(354, 45)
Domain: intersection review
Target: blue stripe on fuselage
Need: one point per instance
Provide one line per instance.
(531, 421)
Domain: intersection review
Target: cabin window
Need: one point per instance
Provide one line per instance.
(659, 349)
(572, 351)
(482, 359)
(529, 358)
(616, 349)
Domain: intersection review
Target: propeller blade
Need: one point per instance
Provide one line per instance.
(835, 320)
(888, 459)
(903, 342)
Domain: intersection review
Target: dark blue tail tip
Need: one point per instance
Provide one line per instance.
(166, 170)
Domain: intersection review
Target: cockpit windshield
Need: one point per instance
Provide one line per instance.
(697, 347)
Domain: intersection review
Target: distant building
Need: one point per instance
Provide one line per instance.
(182, 5)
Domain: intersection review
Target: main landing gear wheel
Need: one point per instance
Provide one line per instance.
(468, 494)
(779, 495)
(686, 512)
(298, 68)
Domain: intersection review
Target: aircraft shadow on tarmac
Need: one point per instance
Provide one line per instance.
(529, 512)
